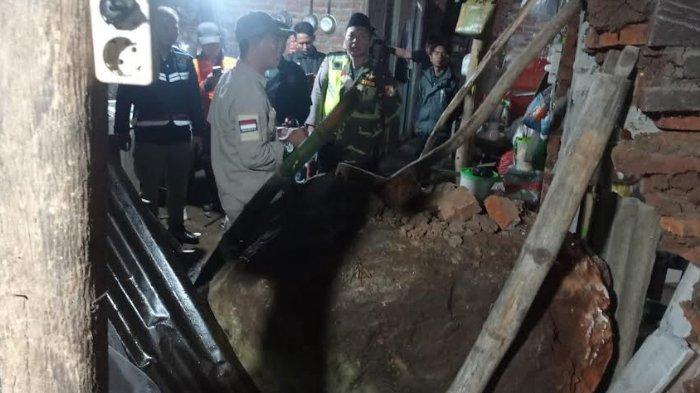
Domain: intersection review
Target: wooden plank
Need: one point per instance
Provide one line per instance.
(659, 360)
(630, 251)
(600, 114)
(665, 353)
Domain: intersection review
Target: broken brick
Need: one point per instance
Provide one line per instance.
(636, 34)
(681, 227)
(458, 205)
(654, 183)
(660, 153)
(671, 203)
(503, 211)
(685, 181)
(679, 122)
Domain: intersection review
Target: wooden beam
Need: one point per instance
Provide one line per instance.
(463, 156)
(600, 114)
(51, 160)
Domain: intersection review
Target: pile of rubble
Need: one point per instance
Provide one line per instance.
(453, 213)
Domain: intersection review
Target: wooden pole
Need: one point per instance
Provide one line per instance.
(49, 341)
(494, 50)
(538, 43)
(601, 112)
(463, 156)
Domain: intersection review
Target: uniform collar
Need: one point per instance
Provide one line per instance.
(253, 74)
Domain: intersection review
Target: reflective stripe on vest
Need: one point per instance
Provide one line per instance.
(336, 65)
(160, 123)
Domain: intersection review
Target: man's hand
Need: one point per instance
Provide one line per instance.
(123, 141)
(296, 136)
(211, 82)
(401, 52)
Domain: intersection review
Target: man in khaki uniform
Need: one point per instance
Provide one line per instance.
(245, 147)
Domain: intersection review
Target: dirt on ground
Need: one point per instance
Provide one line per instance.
(360, 297)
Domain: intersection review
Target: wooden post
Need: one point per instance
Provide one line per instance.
(50, 207)
(463, 156)
(600, 114)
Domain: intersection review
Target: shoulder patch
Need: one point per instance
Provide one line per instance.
(250, 129)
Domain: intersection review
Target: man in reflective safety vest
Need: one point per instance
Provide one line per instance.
(361, 139)
(167, 114)
(210, 64)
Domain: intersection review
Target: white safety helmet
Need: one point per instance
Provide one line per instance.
(208, 33)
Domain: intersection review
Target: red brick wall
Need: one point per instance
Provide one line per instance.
(227, 12)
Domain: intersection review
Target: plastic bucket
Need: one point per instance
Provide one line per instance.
(479, 184)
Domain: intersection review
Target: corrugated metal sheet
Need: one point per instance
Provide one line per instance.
(168, 332)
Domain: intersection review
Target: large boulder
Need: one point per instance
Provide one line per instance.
(397, 310)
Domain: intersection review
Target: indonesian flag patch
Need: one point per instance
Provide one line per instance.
(248, 124)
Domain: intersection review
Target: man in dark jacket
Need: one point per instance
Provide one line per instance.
(306, 55)
(438, 85)
(167, 114)
(288, 92)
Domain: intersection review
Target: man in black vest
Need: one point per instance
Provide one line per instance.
(167, 115)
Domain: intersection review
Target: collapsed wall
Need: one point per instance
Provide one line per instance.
(395, 303)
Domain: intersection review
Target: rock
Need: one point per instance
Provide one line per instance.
(503, 211)
(456, 227)
(392, 315)
(455, 241)
(458, 205)
(481, 223)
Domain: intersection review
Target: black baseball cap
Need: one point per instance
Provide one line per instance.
(359, 19)
(257, 23)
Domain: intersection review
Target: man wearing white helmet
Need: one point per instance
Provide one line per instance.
(210, 63)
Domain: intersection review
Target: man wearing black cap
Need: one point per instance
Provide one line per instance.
(306, 55)
(245, 147)
(361, 139)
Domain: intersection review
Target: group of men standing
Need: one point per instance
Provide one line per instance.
(257, 108)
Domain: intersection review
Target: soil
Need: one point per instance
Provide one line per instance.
(372, 299)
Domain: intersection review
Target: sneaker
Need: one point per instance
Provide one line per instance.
(186, 237)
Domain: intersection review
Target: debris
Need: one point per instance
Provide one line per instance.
(455, 241)
(503, 211)
(458, 205)
(482, 223)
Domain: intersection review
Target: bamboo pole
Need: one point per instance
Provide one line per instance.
(494, 50)
(463, 156)
(600, 113)
(538, 43)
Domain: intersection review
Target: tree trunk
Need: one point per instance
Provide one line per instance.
(49, 229)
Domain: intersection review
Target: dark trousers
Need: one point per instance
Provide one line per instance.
(153, 163)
